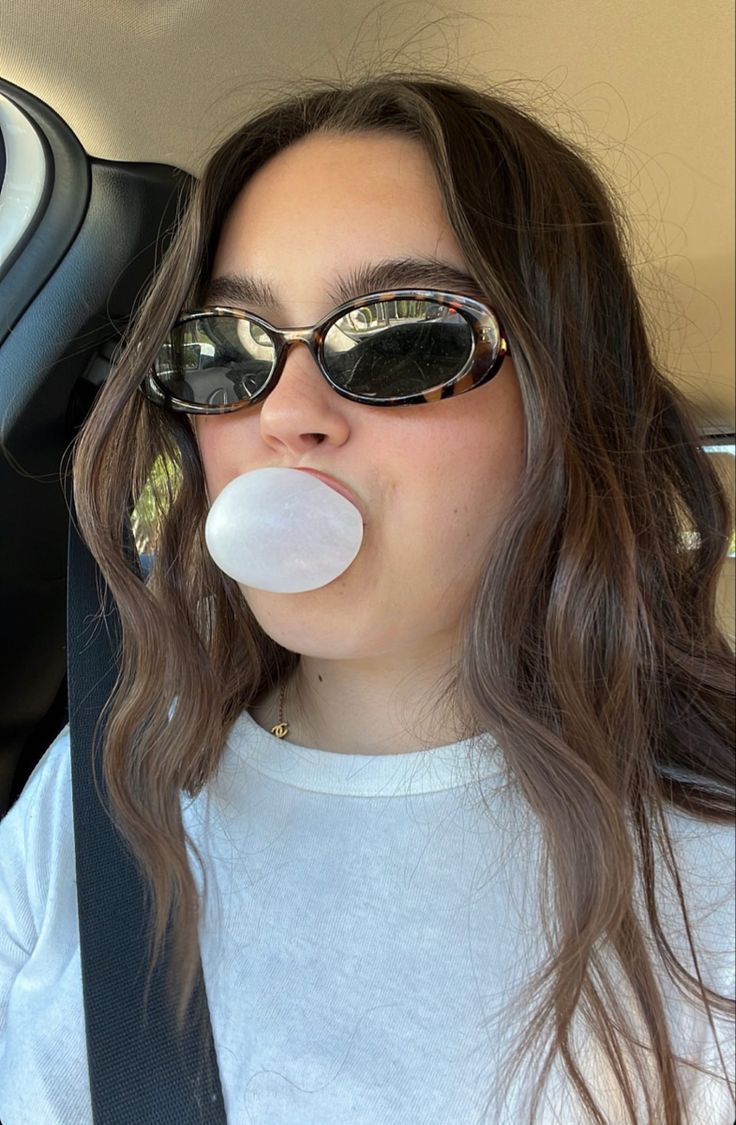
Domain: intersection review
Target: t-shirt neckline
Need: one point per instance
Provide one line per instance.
(363, 775)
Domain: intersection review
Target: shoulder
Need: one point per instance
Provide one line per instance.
(37, 831)
(705, 856)
(705, 852)
(48, 788)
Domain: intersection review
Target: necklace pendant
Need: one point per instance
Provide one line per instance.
(280, 730)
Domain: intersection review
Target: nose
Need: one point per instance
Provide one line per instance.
(302, 409)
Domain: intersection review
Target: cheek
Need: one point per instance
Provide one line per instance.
(446, 504)
(218, 442)
(494, 448)
(477, 472)
(470, 484)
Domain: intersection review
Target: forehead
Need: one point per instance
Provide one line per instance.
(331, 201)
(334, 173)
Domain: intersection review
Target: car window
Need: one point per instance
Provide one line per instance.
(22, 179)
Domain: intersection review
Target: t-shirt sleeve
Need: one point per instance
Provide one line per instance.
(29, 838)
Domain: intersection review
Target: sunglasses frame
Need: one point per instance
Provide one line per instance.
(489, 351)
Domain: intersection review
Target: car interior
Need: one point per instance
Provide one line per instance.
(108, 110)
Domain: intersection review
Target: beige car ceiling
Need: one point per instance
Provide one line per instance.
(647, 86)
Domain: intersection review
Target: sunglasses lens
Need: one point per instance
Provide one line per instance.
(215, 360)
(393, 348)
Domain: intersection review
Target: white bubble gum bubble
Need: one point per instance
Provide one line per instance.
(282, 530)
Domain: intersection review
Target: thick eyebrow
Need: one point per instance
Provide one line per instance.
(241, 290)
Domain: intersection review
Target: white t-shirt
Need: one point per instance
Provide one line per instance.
(368, 920)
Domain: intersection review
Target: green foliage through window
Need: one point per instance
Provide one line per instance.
(153, 503)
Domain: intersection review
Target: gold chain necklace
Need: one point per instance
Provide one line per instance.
(281, 729)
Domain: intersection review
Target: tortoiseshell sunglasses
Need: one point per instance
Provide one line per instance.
(393, 348)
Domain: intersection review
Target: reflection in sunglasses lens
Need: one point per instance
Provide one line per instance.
(395, 348)
(216, 360)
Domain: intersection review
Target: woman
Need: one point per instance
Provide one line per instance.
(523, 650)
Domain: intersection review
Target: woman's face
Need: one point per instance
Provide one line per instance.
(435, 479)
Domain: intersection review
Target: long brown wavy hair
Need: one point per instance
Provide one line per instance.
(591, 651)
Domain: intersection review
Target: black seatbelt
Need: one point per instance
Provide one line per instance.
(138, 1070)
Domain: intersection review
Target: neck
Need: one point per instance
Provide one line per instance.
(353, 707)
